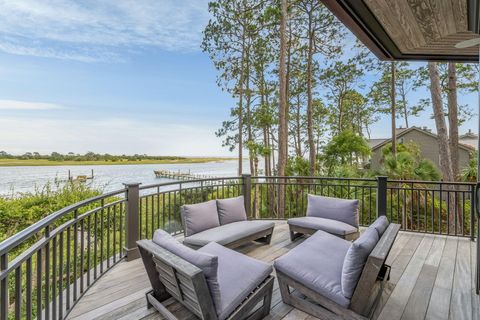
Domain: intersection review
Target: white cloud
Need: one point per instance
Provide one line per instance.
(95, 30)
(27, 105)
(115, 136)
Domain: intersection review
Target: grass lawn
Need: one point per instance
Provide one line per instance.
(41, 162)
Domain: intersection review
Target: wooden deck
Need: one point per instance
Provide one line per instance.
(432, 278)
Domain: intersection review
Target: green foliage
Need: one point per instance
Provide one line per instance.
(345, 148)
(20, 212)
(469, 173)
(407, 164)
(297, 166)
(89, 156)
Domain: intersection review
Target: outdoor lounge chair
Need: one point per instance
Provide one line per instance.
(338, 279)
(213, 282)
(224, 222)
(333, 215)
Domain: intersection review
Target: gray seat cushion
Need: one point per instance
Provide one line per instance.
(343, 210)
(327, 225)
(231, 210)
(355, 260)
(228, 233)
(317, 264)
(199, 217)
(238, 276)
(381, 224)
(206, 262)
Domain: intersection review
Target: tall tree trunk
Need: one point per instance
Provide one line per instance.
(283, 105)
(453, 118)
(298, 126)
(453, 135)
(439, 115)
(240, 110)
(393, 98)
(249, 113)
(443, 141)
(311, 139)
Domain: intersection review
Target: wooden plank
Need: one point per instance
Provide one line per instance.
(418, 301)
(399, 298)
(119, 294)
(439, 304)
(461, 302)
(475, 296)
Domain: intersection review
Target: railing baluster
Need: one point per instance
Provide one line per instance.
(89, 227)
(54, 278)
(4, 288)
(39, 285)
(82, 253)
(114, 234)
(108, 237)
(67, 290)
(47, 274)
(60, 277)
(28, 290)
(18, 292)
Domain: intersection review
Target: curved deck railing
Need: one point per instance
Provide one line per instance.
(46, 268)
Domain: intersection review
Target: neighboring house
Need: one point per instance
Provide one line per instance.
(426, 141)
(469, 138)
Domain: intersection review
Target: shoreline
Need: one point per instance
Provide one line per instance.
(46, 163)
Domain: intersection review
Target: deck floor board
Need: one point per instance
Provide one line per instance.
(432, 277)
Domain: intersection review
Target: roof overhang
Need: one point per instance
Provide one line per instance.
(422, 30)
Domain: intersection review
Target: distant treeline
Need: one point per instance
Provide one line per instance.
(89, 156)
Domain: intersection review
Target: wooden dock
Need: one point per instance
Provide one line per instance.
(178, 175)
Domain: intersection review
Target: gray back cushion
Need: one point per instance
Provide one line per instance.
(355, 260)
(381, 224)
(231, 210)
(206, 262)
(343, 210)
(199, 217)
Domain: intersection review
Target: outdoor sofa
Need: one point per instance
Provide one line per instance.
(333, 215)
(212, 282)
(224, 222)
(342, 278)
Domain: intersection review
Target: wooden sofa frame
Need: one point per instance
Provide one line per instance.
(172, 276)
(264, 237)
(296, 232)
(365, 297)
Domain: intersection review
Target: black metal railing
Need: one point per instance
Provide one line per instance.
(46, 268)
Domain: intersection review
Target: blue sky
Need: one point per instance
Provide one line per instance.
(114, 76)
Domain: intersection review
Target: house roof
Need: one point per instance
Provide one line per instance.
(412, 29)
(402, 131)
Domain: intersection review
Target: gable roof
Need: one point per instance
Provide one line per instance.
(403, 131)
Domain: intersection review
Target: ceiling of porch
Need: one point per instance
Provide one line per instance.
(410, 29)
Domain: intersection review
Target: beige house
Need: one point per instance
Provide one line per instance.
(427, 143)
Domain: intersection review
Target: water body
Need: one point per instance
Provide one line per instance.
(15, 180)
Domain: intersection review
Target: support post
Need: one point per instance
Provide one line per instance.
(247, 193)
(131, 221)
(381, 196)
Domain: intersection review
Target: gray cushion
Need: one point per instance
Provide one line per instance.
(238, 276)
(317, 264)
(199, 217)
(355, 260)
(206, 262)
(333, 208)
(231, 210)
(327, 225)
(381, 224)
(228, 233)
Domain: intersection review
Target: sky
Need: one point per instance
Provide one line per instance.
(119, 77)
